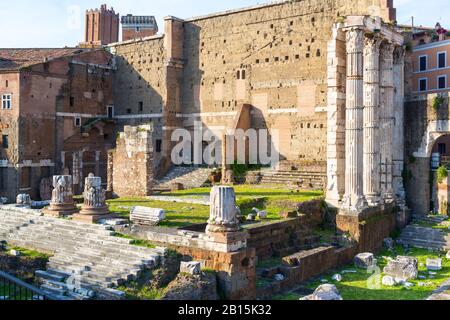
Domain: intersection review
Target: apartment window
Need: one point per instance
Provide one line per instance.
(6, 101)
(423, 63)
(442, 60)
(442, 82)
(141, 106)
(158, 146)
(6, 84)
(77, 122)
(442, 148)
(72, 101)
(5, 142)
(423, 85)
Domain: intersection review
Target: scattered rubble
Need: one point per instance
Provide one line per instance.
(364, 260)
(324, 292)
(403, 268)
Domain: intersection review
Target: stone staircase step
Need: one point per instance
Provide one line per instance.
(49, 276)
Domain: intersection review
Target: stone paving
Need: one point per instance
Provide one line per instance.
(90, 254)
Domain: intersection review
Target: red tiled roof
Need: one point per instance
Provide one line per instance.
(14, 59)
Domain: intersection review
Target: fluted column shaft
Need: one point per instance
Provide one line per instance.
(371, 120)
(387, 119)
(354, 198)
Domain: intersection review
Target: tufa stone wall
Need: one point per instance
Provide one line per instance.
(132, 162)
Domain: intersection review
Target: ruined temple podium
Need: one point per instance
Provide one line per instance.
(62, 203)
(94, 206)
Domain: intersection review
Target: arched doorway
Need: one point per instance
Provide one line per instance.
(439, 168)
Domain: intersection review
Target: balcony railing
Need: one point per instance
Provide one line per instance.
(12, 288)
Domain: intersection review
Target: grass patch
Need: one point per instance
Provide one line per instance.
(355, 285)
(136, 242)
(30, 253)
(177, 214)
(273, 199)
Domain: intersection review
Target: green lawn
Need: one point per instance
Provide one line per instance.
(177, 214)
(355, 285)
(274, 199)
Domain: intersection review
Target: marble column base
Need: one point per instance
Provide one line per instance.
(92, 215)
(60, 210)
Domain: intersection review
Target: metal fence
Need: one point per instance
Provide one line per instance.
(12, 288)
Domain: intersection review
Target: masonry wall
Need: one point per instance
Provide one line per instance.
(132, 163)
(271, 56)
(140, 85)
(47, 99)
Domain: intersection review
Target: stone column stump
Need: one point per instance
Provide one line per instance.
(94, 207)
(62, 203)
(223, 225)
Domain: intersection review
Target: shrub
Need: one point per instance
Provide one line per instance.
(438, 101)
(442, 173)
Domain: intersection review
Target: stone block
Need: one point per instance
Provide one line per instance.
(402, 267)
(434, 264)
(364, 260)
(389, 243)
(192, 267)
(14, 253)
(262, 214)
(388, 281)
(147, 216)
(337, 277)
(325, 292)
(23, 199)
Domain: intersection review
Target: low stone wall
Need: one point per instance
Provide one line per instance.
(304, 265)
(236, 271)
(370, 228)
(280, 238)
(235, 267)
(284, 237)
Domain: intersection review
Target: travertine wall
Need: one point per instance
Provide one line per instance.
(270, 56)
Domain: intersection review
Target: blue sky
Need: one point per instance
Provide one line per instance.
(57, 23)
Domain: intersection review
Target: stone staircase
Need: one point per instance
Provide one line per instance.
(419, 236)
(190, 177)
(304, 179)
(85, 258)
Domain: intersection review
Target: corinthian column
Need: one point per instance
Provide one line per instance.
(354, 198)
(387, 120)
(371, 120)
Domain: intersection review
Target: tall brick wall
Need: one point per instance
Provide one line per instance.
(281, 49)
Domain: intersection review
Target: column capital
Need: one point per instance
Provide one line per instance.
(387, 50)
(372, 43)
(399, 54)
(355, 39)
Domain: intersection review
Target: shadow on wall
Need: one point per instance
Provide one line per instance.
(136, 97)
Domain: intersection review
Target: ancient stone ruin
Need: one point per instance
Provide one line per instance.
(62, 203)
(94, 206)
